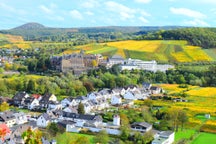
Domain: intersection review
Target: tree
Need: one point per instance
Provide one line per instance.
(52, 128)
(4, 106)
(81, 109)
(31, 87)
(182, 118)
(125, 129)
(32, 137)
(147, 137)
(102, 137)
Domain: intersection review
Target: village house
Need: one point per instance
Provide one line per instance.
(82, 119)
(67, 101)
(18, 99)
(146, 86)
(30, 103)
(129, 96)
(43, 120)
(116, 100)
(164, 137)
(116, 59)
(155, 90)
(71, 109)
(141, 127)
(46, 99)
(8, 118)
(21, 118)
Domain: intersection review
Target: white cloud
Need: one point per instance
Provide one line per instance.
(89, 13)
(196, 22)
(144, 20)
(143, 1)
(76, 14)
(90, 4)
(46, 9)
(187, 12)
(12, 9)
(213, 11)
(123, 11)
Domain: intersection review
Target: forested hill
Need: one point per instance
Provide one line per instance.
(203, 37)
(36, 31)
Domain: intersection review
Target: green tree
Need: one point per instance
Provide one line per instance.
(81, 140)
(32, 137)
(4, 106)
(102, 137)
(81, 109)
(31, 87)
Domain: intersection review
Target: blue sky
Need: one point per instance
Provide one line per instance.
(89, 13)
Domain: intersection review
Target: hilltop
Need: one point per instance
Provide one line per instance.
(30, 26)
(35, 31)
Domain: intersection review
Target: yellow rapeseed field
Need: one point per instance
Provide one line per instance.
(146, 46)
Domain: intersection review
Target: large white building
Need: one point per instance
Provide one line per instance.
(145, 65)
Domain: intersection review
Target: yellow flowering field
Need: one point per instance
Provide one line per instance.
(206, 92)
(147, 46)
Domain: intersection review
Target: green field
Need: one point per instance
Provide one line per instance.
(205, 138)
(70, 138)
(185, 134)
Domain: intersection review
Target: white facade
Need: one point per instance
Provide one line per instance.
(129, 96)
(116, 100)
(21, 118)
(42, 122)
(33, 104)
(165, 137)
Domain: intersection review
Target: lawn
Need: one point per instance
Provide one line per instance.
(69, 138)
(185, 134)
(205, 138)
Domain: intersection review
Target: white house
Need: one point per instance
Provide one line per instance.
(116, 100)
(106, 93)
(155, 90)
(141, 126)
(165, 137)
(21, 118)
(43, 120)
(129, 96)
(70, 109)
(66, 102)
(31, 102)
(54, 105)
(8, 118)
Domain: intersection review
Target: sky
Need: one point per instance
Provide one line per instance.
(92, 13)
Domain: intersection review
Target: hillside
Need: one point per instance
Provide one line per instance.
(36, 31)
(162, 51)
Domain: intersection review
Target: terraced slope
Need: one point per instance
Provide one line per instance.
(162, 51)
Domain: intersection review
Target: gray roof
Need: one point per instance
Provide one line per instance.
(19, 96)
(82, 116)
(166, 133)
(143, 124)
(45, 99)
(64, 123)
(46, 116)
(8, 115)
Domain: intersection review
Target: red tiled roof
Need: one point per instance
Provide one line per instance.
(36, 96)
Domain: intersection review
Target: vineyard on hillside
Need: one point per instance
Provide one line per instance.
(162, 51)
